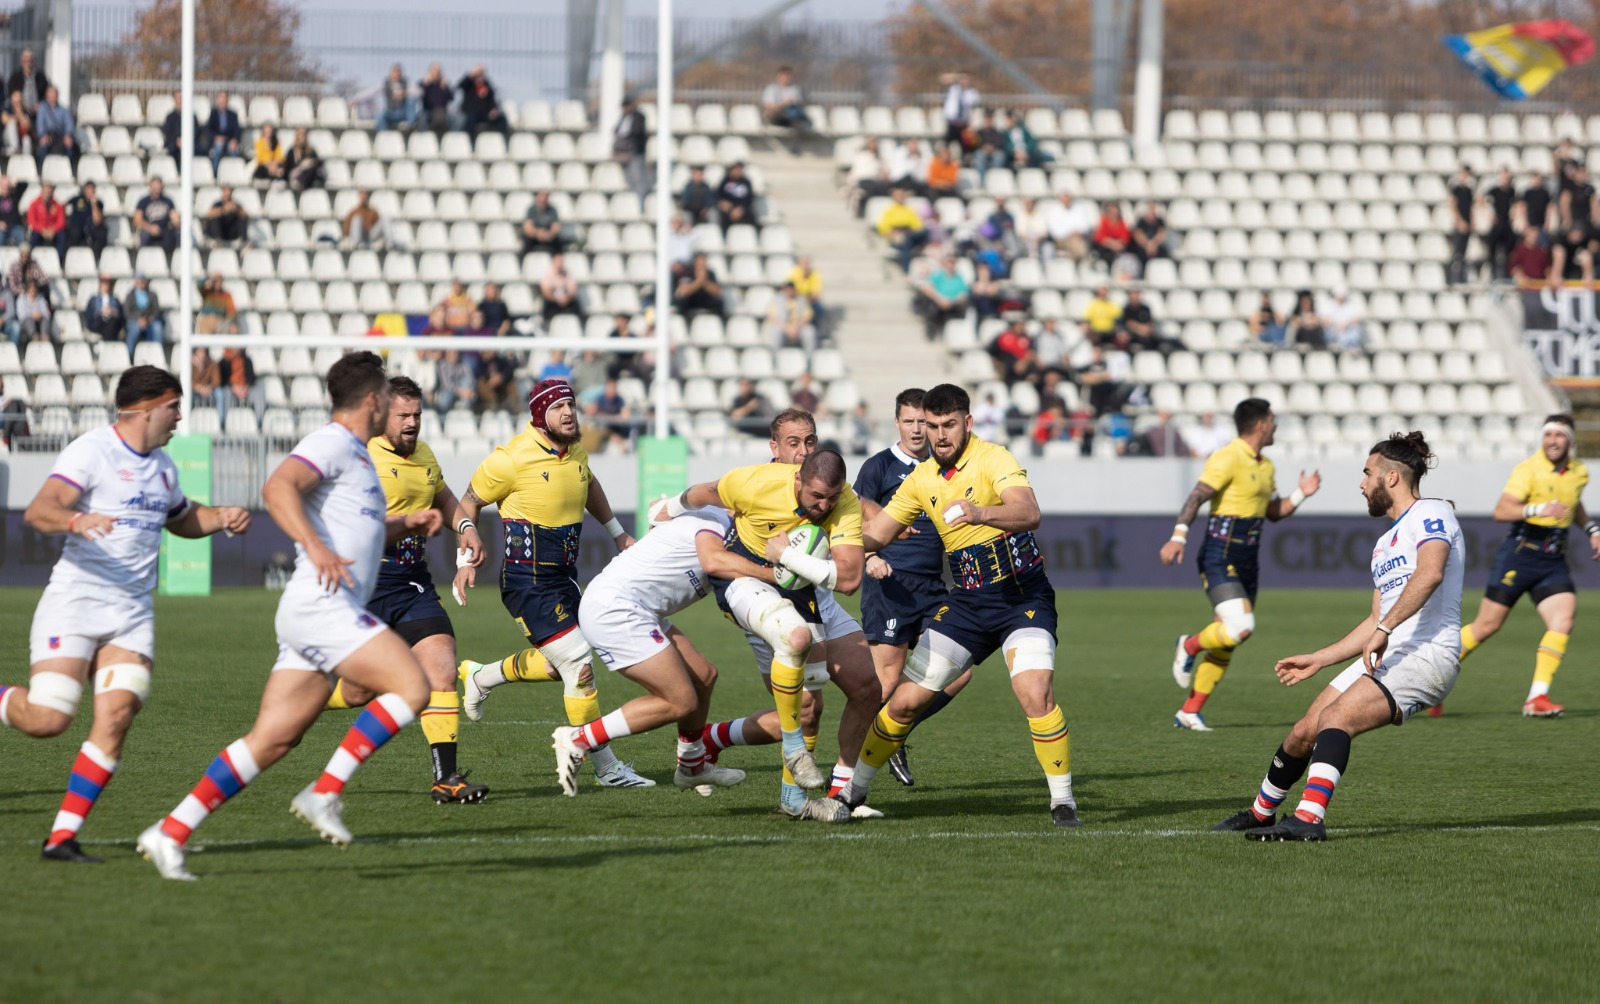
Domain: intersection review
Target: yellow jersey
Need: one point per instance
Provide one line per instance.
(807, 285)
(978, 555)
(762, 500)
(1244, 480)
(542, 491)
(409, 485)
(1102, 316)
(1537, 481)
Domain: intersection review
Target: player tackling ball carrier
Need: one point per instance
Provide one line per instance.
(1241, 485)
(327, 498)
(985, 510)
(111, 492)
(1406, 650)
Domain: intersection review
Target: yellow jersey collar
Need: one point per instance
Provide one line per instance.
(544, 444)
(1246, 447)
(961, 462)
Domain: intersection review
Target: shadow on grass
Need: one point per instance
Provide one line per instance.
(1565, 817)
(588, 859)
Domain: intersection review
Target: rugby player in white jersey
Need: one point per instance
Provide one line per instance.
(327, 498)
(1409, 646)
(111, 492)
(624, 615)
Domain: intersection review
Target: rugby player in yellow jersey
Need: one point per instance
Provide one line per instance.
(985, 511)
(768, 501)
(1241, 485)
(1543, 502)
(542, 484)
(405, 598)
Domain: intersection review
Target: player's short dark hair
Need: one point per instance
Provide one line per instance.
(141, 383)
(1249, 413)
(404, 386)
(788, 415)
(911, 397)
(947, 399)
(353, 377)
(1562, 418)
(825, 466)
(1409, 450)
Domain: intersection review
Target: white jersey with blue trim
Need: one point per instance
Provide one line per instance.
(1394, 560)
(347, 508)
(662, 572)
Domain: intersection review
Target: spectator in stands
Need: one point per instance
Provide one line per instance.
(34, 319)
(104, 314)
(790, 321)
(1022, 149)
(1502, 237)
(1012, 352)
(269, 155)
(1305, 328)
(1578, 201)
(698, 198)
(302, 165)
(477, 327)
(750, 411)
(29, 81)
(803, 395)
(205, 379)
(807, 281)
(589, 372)
(541, 227)
(223, 131)
(1049, 426)
(960, 101)
(1101, 316)
(1032, 229)
(681, 241)
(13, 230)
(985, 291)
(1568, 159)
(1050, 347)
(496, 315)
(556, 367)
(457, 307)
(1150, 235)
(627, 148)
(146, 323)
(1572, 255)
(901, 225)
(868, 177)
(436, 97)
(1266, 326)
(736, 199)
(944, 172)
(55, 128)
(1112, 238)
(607, 418)
(1535, 201)
(697, 290)
(47, 221)
(86, 221)
(1140, 324)
(1071, 224)
(989, 149)
(19, 127)
(156, 219)
(783, 104)
(1208, 437)
(943, 297)
(172, 130)
(238, 386)
(13, 416)
(908, 167)
(1462, 197)
(23, 271)
(559, 289)
(480, 106)
(497, 384)
(1343, 322)
(217, 314)
(226, 221)
(988, 420)
(1159, 440)
(457, 385)
(1530, 261)
(364, 226)
(398, 109)
(1105, 378)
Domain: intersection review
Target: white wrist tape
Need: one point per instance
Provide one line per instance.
(463, 557)
(817, 571)
(675, 506)
(614, 527)
(1531, 510)
(465, 525)
(1297, 498)
(952, 513)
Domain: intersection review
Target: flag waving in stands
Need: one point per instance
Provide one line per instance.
(1518, 60)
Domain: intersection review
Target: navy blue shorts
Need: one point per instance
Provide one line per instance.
(895, 610)
(543, 606)
(1522, 567)
(979, 620)
(406, 600)
(1229, 570)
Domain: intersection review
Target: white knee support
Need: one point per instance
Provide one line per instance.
(1030, 649)
(768, 615)
(1238, 620)
(569, 656)
(56, 691)
(816, 674)
(129, 676)
(936, 662)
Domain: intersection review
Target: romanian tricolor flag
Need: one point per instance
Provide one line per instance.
(1517, 60)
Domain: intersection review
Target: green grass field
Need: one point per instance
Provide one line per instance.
(1463, 862)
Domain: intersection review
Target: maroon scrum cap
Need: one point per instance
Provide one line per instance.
(546, 395)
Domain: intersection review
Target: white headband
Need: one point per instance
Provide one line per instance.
(1564, 429)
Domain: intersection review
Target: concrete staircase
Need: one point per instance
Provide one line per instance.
(878, 335)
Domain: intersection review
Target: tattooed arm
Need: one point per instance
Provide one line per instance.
(1172, 550)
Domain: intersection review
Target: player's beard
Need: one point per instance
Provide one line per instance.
(961, 445)
(565, 438)
(1379, 501)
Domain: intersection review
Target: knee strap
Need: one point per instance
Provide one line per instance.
(1030, 649)
(936, 662)
(816, 674)
(1237, 618)
(772, 618)
(569, 655)
(56, 691)
(129, 676)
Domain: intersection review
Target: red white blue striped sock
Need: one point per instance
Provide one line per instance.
(228, 774)
(1320, 782)
(719, 736)
(691, 753)
(91, 772)
(377, 724)
(602, 730)
(842, 773)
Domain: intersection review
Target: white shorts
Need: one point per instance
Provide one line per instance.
(71, 623)
(1412, 680)
(833, 619)
(621, 632)
(836, 621)
(318, 631)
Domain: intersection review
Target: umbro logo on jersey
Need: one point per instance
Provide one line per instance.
(125, 475)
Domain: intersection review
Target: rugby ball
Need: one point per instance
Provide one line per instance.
(810, 538)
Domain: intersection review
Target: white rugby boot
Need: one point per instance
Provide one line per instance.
(710, 778)
(568, 759)
(323, 812)
(803, 768)
(165, 853)
(472, 695)
(617, 774)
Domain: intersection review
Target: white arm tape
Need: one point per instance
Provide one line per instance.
(614, 527)
(675, 507)
(463, 557)
(1532, 509)
(817, 571)
(1297, 498)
